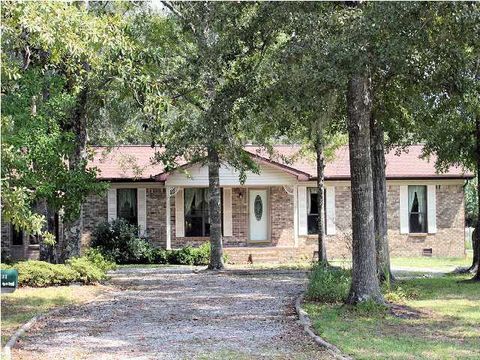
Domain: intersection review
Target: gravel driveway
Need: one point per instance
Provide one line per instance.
(176, 313)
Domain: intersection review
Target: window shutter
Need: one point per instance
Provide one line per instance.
(330, 210)
(404, 228)
(112, 204)
(227, 212)
(431, 209)
(142, 210)
(179, 214)
(302, 210)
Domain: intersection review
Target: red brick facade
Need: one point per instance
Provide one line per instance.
(447, 241)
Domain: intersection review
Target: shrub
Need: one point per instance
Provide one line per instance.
(85, 271)
(202, 254)
(328, 284)
(183, 256)
(34, 273)
(190, 256)
(96, 258)
(119, 241)
(40, 273)
(160, 256)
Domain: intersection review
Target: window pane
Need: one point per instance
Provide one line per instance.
(127, 205)
(312, 201)
(313, 210)
(197, 220)
(17, 236)
(417, 208)
(312, 224)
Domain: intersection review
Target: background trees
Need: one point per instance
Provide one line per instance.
(56, 58)
(193, 111)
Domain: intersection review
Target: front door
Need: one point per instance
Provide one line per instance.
(258, 215)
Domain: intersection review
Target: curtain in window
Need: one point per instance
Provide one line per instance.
(417, 207)
(127, 205)
(309, 201)
(197, 219)
(189, 197)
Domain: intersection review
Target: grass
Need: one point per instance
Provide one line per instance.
(434, 318)
(25, 303)
(446, 264)
(440, 263)
(301, 265)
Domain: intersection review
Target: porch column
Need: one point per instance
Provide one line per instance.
(167, 212)
(295, 216)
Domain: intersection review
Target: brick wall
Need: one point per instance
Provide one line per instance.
(281, 217)
(448, 241)
(94, 213)
(156, 215)
(5, 232)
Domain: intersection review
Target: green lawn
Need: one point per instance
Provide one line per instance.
(25, 303)
(445, 264)
(435, 318)
(440, 263)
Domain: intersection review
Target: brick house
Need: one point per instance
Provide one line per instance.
(272, 216)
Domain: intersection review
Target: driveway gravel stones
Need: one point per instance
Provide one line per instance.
(180, 313)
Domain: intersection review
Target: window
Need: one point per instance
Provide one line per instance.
(417, 209)
(313, 210)
(17, 236)
(127, 205)
(197, 219)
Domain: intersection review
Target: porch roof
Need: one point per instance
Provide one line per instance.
(136, 162)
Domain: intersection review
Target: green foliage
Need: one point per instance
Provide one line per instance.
(190, 256)
(40, 273)
(119, 241)
(97, 259)
(471, 203)
(328, 284)
(160, 256)
(87, 269)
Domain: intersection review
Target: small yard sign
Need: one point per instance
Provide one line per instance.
(9, 280)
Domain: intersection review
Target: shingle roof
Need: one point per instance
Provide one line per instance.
(136, 162)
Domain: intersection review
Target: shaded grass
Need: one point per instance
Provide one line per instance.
(25, 303)
(434, 318)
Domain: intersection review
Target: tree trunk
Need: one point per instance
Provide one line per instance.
(476, 252)
(73, 227)
(477, 245)
(216, 246)
(319, 147)
(46, 251)
(365, 285)
(380, 200)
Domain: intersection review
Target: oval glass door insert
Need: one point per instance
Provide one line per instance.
(258, 208)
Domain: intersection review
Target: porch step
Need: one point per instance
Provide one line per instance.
(268, 255)
(33, 252)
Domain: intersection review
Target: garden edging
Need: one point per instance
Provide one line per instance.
(304, 320)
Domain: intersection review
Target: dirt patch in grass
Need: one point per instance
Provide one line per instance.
(406, 312)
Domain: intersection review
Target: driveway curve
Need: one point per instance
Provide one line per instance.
(178, 313)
